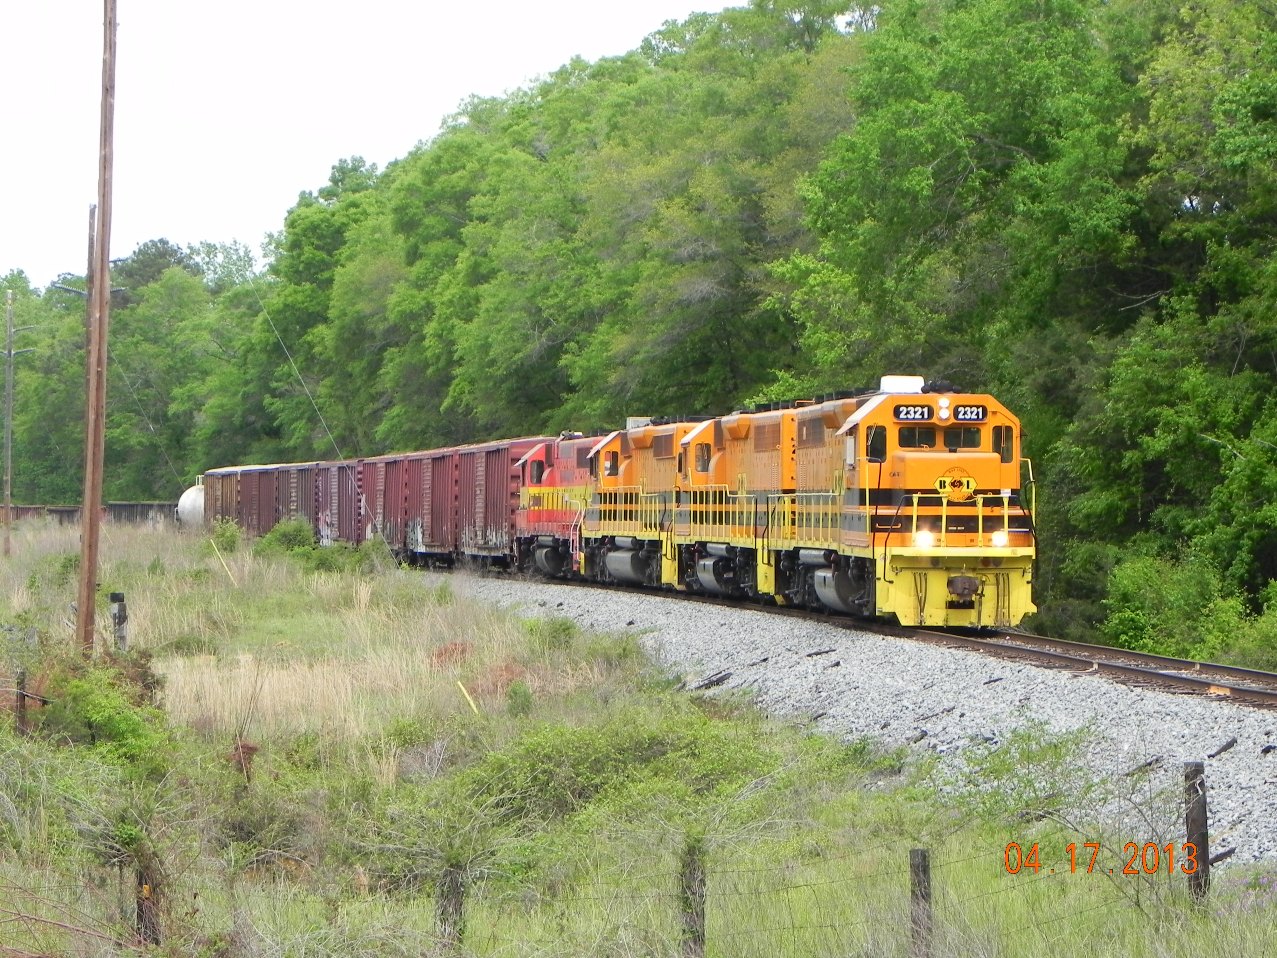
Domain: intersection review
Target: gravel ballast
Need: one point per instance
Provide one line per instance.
(948, 703)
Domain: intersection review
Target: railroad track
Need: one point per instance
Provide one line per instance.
(1143, 669)
(1137, 669)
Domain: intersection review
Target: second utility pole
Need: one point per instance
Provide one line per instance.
(99, 317)
(8, 420)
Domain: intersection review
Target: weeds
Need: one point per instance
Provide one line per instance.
(316, 778)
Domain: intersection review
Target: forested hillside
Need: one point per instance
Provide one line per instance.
(1070, 203)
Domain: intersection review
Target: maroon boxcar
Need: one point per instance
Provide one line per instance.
(245, 494)
(220, 493)
(488, 495)
(441, 504)
(393, 487)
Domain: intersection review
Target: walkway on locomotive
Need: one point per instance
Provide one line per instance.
(812, 476)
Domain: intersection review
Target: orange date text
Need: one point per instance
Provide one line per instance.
(1147, 858)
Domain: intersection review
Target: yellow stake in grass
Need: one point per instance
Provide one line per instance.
(218, 551)
(468, 698)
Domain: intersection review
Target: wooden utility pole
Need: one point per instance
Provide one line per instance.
(99, 318)
(8, 421)
(88, 315)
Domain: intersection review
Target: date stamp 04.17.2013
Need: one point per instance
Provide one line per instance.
(1147, 858)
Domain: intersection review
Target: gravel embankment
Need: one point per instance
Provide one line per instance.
(949, 702)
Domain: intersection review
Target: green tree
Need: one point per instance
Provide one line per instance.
(315, 234)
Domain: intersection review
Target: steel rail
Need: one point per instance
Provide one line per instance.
(1217, 682)
(1214, 681)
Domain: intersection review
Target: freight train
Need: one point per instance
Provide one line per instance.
(905, 502)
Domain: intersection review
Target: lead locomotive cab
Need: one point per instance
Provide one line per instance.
(934, 484)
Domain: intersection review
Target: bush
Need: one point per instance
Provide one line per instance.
(226, 534)
(96, 708)
(291, 535)
(1180, 608)
(554, 770)
(552, 635)
(54, 571)
(519, 699)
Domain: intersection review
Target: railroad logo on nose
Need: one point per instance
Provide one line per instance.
(957, 484)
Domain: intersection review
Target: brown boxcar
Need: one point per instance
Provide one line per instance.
(444, 503)
(487, 495)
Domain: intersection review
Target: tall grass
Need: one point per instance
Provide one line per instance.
(357, 690)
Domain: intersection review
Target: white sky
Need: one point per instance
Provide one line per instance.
(225, 111)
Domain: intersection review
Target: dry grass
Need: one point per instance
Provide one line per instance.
(364, 660)
(262, 648)
(265, 649)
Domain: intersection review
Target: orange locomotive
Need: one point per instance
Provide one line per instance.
(905, 502)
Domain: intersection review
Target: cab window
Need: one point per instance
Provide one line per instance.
(876, 444)
(917, 437)
(702, 457)
(611, 463)
(1004, 442)
(538, 471)
(962, 437)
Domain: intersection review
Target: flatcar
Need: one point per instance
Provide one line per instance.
(905, 502)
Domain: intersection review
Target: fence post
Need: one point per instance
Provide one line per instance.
(691, 895)
(1195, 826)
(20, 701)
(920, 902)
(147, 916)
(450, 907)
(119, 619)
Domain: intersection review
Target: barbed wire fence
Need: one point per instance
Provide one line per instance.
(836, 895)
(883, 899)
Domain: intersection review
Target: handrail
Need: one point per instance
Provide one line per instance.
(980, 500)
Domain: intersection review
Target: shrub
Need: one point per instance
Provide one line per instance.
(93, 707)
(226, 534)
(1180, 608)
(555, 770)
(291, 535)
(54, 571)
(518, 699)
(552, 635)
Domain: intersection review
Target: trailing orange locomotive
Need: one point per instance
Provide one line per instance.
(904, 502)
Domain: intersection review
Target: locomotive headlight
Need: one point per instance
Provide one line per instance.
(923, 539)
(1000, 539)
